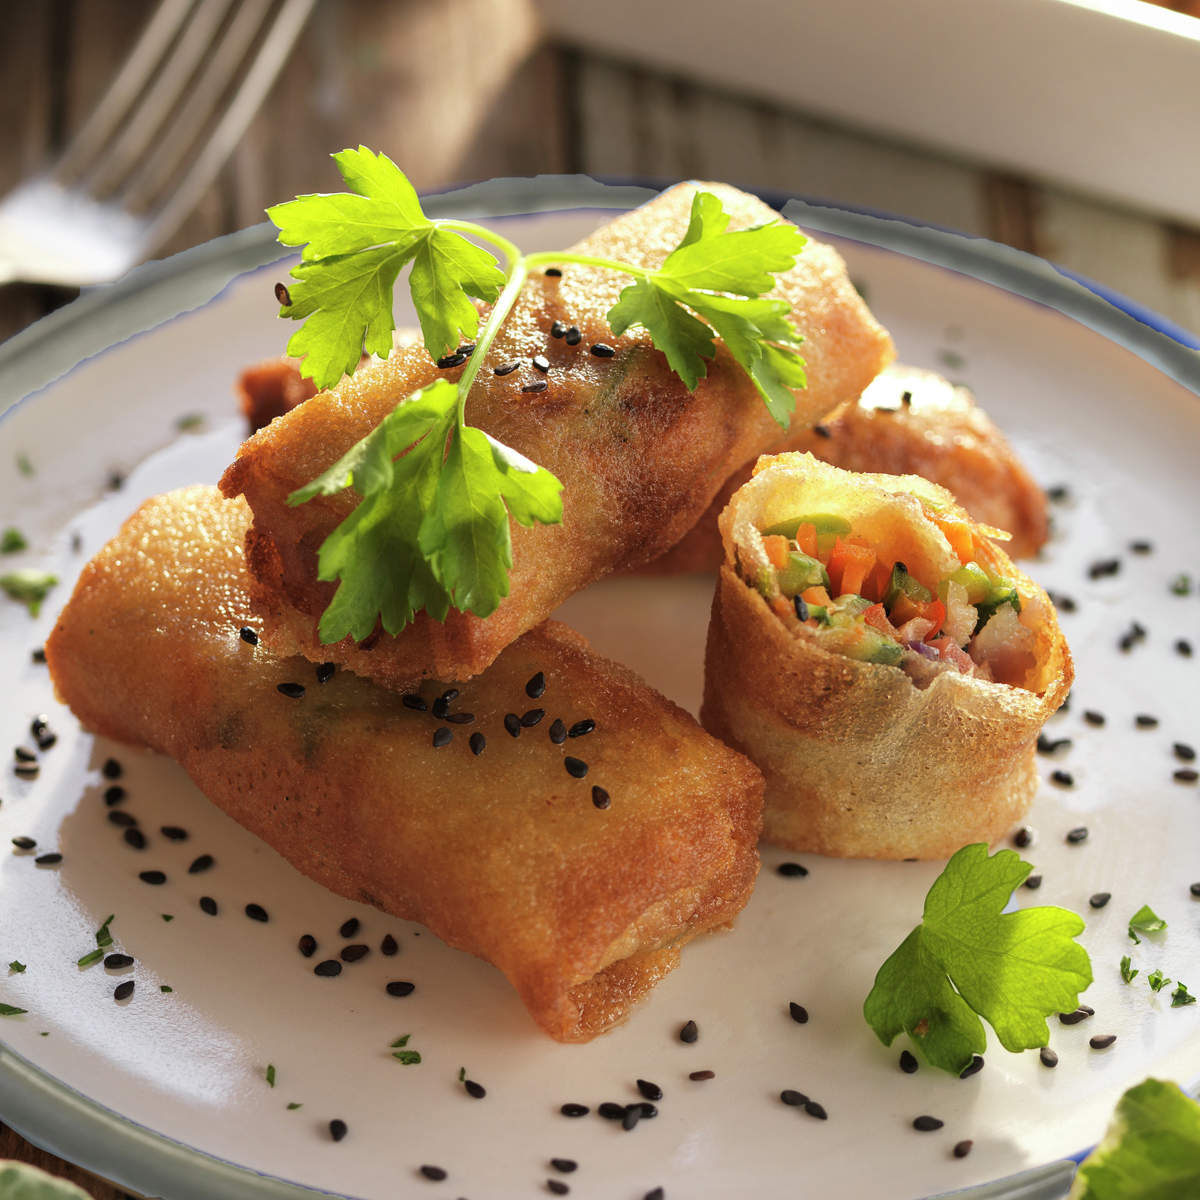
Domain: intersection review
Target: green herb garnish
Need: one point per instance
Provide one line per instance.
(17, 967)
(9, 1010)
(189, 422)
(293, 1105)
(24, 465)
(103, 936)
(1181, 996)
(401, 1041)
(407, 1058)
(1151, 1150)
(162, 987)
(167, 916)
(1181, 585)
(1145, 920)
(432, 530)
(92, 956)
(1157, 980)
(270, 1074)
(12, 540)
(462, 1074)
(1128, 970)
(29, 586)
(969, 959)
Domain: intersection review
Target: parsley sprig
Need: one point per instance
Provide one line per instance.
(968, 959)
(432, 530)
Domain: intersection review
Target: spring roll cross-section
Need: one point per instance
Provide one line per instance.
(640, 457)
(578, 865)
(881, 659)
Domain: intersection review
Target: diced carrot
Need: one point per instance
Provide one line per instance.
(776, 546)
(879, 581)
(806, 539)
(816, 595)
(877, 619)
(935, 611)
(781, 606)
(849, 563)
(959, 534)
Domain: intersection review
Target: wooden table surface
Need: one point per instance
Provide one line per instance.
(392, 75)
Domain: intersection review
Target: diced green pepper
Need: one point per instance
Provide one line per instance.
(827, 523)
(802, 572)
(976, 581)
(903, 582)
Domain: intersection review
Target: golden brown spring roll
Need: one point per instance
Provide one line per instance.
(639, 455)
(577, 864)
(881, 659)
(907, 422)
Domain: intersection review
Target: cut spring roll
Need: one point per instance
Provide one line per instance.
(907, 422)
(881, 659)
(578, 864)
(639, 455)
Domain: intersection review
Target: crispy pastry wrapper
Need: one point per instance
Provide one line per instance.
(503, 854)
(908, 421)
(640, 457)
(860, 761)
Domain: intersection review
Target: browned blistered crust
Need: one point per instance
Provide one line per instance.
(503, 855)
(939, 433)
(639, 455)
(859, 761)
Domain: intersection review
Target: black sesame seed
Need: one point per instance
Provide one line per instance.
(48, 860)
(1063, 602)
(173, 833)
(338, 1129)
(963, 1148)
(441, 706)
(822, 431)
(1048, 745)
(26, 770)
(442, 736)
(451, 360)
(908, 1062)
(1058, 493)
(1077, 835)
(689, 1032)
(122, 819)
(1145, 721)
(1092, 717)
(467, 348)
(557, 329)
(294, 691)
(1186, 775)
(611, 1111)
(512, 724)
(413, 701)
(115, 962)
(573, 337)
(655, 1194)
(477, 742)
(581, 728)
(632, 1116)
(354, 952)
(565, 1165)
(209, 905)
(1033, 882)
(1049, 1057)
(799, 1012)
(793, 1098)
(648, 1110)
(24, 756)
(927, 1124)
(460, 718)
(1062, 778)
(123, 990)
(1183, 647)
(538, 385)
(532, 717)
(600, 798)
(135, 838)
(576, 767)
(46, 740)
(437, 1174)
(507, 368)
(1195, 890)
(1023, 837)
(154, 878)
(791, 869)
(38, 655)
(282, 294)
(473, 1089)
(813, 1109)
(114, 795)
(973, 1068)
(602, 350)
(1184, 752)
(650, 1090)
(256, 912)
(558, 731)
(701, 1076)
(1102, 1041)
(203, 863)
(389, 945)
(1141, 547)
(536, 686)
(574, 1110)
(553, 272)
(329, 968)
(325, 671)
(307, 945)
(541, 363)
(1104, 567)
(248, 635)
(112, 769)
(1099, 899)
(24, 843)
(1073, 1018)
(556, 1187)
(400, 987)
(349, 927)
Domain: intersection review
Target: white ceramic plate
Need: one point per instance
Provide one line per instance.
(166, 1093)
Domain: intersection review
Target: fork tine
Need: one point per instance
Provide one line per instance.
(137, 69)
(271, 56)
(202, 102)
(158, 101)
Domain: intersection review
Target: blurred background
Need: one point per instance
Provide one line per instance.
(1060, 127)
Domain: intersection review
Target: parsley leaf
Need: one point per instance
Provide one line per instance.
(9, 1010)
(407, 1058)
(1181, 996)
(1151, 1150)
(401, 1041)
(1157, 980)
(708, 262)
(357, 244)
(29, 586)
(17, 967)
(12, 541)
(968, 959)
(1145, 920)
(270, 1074)
(1128, 971)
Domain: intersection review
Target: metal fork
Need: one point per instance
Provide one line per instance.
(162, 131)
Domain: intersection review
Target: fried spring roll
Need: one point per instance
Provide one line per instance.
(580, 883)
(907, 422)
(639, 455)
(881, 659)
